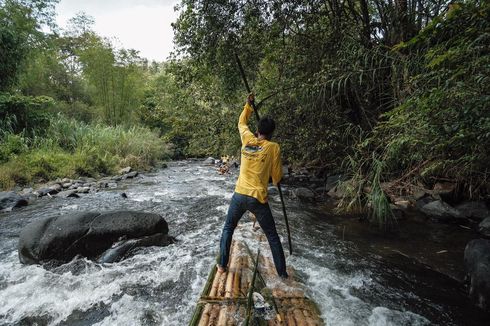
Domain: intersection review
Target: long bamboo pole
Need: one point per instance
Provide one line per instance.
(247, 86)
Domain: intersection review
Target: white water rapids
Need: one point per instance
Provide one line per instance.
(161, 285)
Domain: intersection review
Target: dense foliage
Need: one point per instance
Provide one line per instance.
(69, 99)
(383, 90)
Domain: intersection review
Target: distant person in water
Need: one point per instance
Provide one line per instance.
(260, 160)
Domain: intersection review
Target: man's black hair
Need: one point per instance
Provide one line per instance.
(266, 127)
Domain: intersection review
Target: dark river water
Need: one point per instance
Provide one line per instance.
(352, 284)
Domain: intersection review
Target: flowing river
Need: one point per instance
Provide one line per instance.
(160, 285)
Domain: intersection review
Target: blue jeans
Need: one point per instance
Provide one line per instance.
(238, 206)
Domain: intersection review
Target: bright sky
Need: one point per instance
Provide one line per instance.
(143, 25)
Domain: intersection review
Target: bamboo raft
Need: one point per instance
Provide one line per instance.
(226, 296)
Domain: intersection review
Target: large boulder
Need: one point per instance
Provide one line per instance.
(304, 194)
(477, 266)
(484, 227)
(88, 234)
(440, 210)
(10, 200)
(476, 210)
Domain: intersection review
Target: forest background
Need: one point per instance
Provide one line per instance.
(393, 94)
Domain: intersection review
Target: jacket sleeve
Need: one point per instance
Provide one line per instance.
(245, 133)
(276, 172)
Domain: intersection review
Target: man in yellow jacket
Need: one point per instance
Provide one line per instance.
(260, 160)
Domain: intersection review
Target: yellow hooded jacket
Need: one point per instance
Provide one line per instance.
(260, 160)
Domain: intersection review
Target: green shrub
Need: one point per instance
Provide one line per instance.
(12, 144)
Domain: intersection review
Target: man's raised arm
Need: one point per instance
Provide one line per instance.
(245, 133)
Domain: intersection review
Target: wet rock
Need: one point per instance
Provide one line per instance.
(285, 170)
(422, 201)
(320, 190)
(336, 192)
(332, 182)
(304, 194)
(125, 170)
(76, 185)
(131, 175)
(65, 180)
(102, 184)
(272, 191)
(121, 249)
(123, 195)
(443, 190)
(56, 187)
(87, 234)
(83, 190)
(112, 185)
(440, 210)
(476, 210)
(45, 191)
(484, 227)
(26, 191)
(68, 193)
(477, 266)
(402, 204)
(67, 185)
(10, 200)
(209, 161)
(117, 178)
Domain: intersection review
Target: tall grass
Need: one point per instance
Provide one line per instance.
(71, 148)
(363, 193)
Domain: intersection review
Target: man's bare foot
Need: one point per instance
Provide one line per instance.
(220, 268)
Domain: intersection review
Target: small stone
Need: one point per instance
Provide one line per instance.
(402, 204)
(56, 187)
(67, 185)
(65, 180)
(125, 170)
(45, 191)
(83, 190)
(131, 175)
(68, 193)
(332, 181)
(209, 161)
(272, 191)
(26, 191)
(443, 188)
(112, 185)
(123, 195)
